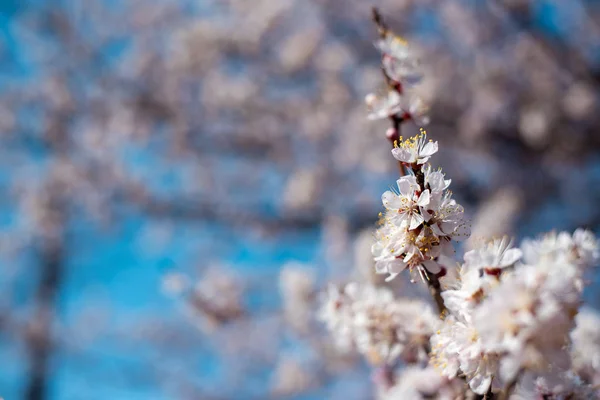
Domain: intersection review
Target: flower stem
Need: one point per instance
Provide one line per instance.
(436, 292)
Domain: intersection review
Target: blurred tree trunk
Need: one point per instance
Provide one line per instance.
(51, 233)
(40, 341)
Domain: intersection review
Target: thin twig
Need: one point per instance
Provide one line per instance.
(393, 85)
(381, 26)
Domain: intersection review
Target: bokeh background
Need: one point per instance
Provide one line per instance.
(180, 179)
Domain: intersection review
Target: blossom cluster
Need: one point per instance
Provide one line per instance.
(511, 317)
(510, 324)
(384, 329)
(421, 218)
(402, 72)
(511, 312)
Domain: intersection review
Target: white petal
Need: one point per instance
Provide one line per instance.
(436, 181)
(480, 384)
(407, 185)
(432, 266)
(417, 219)
(436, 230)
(426, 215)
(391, 277)
(390, 200)
(423, 199)
(455, 300)
(429, 149)
(396, 266)
(448, 227)
(462, 232)
(472, 257)
(510, 257)
(403, 155)
(381, 267)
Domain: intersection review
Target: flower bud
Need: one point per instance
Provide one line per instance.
(392, 134)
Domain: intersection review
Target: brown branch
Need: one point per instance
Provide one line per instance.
(378, 20)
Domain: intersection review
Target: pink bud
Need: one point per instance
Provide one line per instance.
(392, 134)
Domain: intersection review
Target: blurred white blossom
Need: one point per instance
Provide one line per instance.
(585, 339)
(415, 383)
(399, 60)
(371, 321)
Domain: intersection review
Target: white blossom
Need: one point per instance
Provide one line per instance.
(415, 150)
(445, 217)
(383, 106)
(560, 386)
(215, 299)
(296, 285)
(415, 383)
(370, 320)
(397, 248)
(388, 249)
(458, 347)
(407, 203)
(414, 108)
(478, 275)
(337, 315)
(399, 61)
(525, 321)
(406, 106)
(493, 256)
(436, 182)
(585, 248)
(585, 339)
(467, 292)
(580, 249)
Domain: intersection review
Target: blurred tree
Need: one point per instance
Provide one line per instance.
(247, 115)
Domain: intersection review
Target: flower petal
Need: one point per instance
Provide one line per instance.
(432, 266)
(429, 149)
(423, 199)
(391, 277)
(404, 155)
(416, 220)
(407, 185)
(510, 257)
(390, 200)
(480, 384)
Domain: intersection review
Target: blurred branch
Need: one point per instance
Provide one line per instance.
(39, 340)
(522, 20)
(198, 210)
